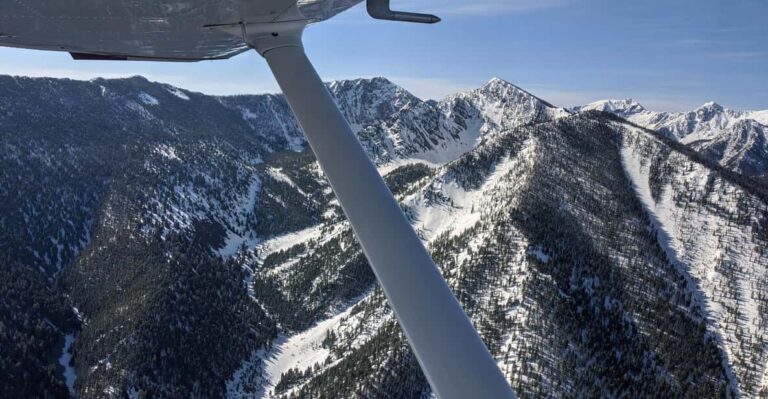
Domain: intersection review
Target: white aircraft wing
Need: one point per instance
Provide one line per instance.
(164, 30)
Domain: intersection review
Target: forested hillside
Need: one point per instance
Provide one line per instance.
(156, 242)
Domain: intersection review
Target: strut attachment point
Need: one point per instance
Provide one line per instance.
(379, 9)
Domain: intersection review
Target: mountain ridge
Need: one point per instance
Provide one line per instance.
(736, 139)
(206, 256)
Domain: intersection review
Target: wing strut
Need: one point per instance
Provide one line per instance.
(453, 357)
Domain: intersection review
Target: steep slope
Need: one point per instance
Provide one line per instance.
(716, 232)
(130, 186)
(192, 248)
(504, 106)
(134, 203)
(547, 238)
(736, 139)
(743, 147)
(393, 124)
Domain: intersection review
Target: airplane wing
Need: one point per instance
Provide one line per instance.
(165, 30)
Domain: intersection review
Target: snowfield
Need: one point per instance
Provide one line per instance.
(711, 249)
(65, 361)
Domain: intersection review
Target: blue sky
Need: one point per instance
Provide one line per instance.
(669, 55)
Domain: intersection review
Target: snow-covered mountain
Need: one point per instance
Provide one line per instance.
(192, 247)
(579, 262)
(393, 124)
(737, 139)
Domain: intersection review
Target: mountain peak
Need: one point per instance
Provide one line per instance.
(711, 111)
(623, 107)
(376, 81)
(501, 89)
(501, 83)
(711, 105)
(630, 102)
(367, 100)
(497, 79)
(376, 85)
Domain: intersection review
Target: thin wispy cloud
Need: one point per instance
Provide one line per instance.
(704, 43)
(659, 24)
(737, 50)
(739, 55)
(484, 7)
(698, 42)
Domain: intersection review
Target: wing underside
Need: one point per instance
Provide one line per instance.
(146, 29)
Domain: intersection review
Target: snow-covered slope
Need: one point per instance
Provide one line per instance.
(208, 257)
(503, 106)
(574, 273)
(711, 229)
(394, 125)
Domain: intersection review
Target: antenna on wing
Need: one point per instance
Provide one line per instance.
(379, 9)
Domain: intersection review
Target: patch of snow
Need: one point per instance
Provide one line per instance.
(237, 239)
(321, 234)
(143, 113)
(64, 360)
(261, 371)
(178, 93)
(295, 141)
(278, 175)
(234, 242)
(247, 382)
(77, 313)
(147, 99)
(450, 150)
(759, 116)
(167, 152)
(247, 114)
(539, 254)
(302, 350)
(465, 207)
(286, 241)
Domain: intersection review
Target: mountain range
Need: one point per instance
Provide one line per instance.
(737, 139)
(156, 242)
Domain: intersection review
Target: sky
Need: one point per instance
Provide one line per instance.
(669, 55)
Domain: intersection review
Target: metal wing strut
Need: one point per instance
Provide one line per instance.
(454, 359)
